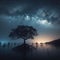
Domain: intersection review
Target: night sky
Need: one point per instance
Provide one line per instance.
(44, 15)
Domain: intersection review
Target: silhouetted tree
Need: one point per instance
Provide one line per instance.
(8, 44)
(14, 44)
(24, 32)
(4, 45)
(36, 44)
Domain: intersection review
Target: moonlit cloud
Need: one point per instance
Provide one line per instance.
(42, 21)
(27, 17)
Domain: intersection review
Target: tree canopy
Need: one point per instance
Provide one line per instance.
(24, 32)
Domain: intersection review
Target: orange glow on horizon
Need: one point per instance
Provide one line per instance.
(42, 39)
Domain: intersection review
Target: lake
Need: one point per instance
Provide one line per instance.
(39, 52)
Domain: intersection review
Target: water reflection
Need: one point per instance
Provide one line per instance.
(36, 45)
(41, 52)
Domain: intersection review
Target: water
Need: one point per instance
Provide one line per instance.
(39, 52)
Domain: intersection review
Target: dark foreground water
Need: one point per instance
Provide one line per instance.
(40, 52)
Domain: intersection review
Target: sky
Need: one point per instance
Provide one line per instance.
(44, 15)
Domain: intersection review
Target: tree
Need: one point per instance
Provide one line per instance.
(24, 32)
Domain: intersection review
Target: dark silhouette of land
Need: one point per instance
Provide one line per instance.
(54, 42)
